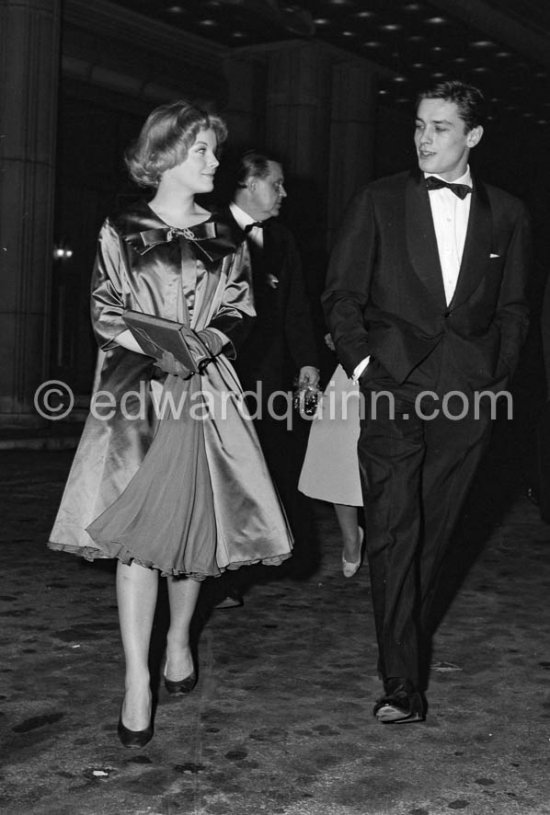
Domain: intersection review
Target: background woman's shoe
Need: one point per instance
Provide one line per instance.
(134, 738)
(233, 599)
(180, 686)
(349, 569)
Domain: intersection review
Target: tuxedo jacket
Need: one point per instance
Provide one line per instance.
(385, 296)
(282, 339)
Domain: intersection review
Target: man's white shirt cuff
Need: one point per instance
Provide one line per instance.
(358, 370)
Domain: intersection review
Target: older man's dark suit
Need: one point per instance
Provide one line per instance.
(281, 342)
(385, 298)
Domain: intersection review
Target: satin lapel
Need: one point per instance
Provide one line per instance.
(477, 246)
(421, 240)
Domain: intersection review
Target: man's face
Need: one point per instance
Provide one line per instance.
(266, 194)
(441, 141)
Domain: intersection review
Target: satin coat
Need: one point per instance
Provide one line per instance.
(200, 277)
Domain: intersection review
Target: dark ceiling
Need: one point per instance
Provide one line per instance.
(416, 43)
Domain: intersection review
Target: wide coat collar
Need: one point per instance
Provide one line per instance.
(210, 241)
(422, 242)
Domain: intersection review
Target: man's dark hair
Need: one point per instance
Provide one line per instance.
(252, 164)
(471, 104)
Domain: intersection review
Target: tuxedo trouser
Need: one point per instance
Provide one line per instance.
(415, 474)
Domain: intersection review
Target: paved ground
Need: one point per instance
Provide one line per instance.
(280, 722)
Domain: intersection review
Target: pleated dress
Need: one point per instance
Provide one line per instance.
(176, 482)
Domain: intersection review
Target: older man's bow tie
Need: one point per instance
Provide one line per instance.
(433, 183)
(249, 227)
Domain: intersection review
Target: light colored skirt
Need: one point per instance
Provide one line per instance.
(331, 469)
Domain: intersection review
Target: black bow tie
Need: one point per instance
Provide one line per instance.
(249, 227)
(433, 183)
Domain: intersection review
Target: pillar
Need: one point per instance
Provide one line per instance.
(297, 112)
(245, 92)
(352, 135)
(29, 68)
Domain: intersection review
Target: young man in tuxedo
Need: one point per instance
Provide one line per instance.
(282, 347)
(426, 303)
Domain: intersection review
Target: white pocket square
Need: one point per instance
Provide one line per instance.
(493, 256)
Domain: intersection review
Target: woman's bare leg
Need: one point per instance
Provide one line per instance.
(183, 594)
(352, 536)
(137, 589)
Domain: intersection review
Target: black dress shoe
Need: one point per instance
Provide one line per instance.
(134, 738)
(179, 686)
(401, 703)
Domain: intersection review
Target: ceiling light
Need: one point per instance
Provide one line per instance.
(391, 27)
(436, 20)
(416, 38)
(482, 44)
(481, 69)
(542, 122)
(372, 44)
(382, 92)
(412, 7)
(459, 59)
(503, 54)
(418, 65)
(365, 14)
(438, 75)
(399, 79)
(437, 49)
(174, 9)
(208, 22)
(321, 21)
(349, 34)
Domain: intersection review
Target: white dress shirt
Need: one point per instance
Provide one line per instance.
(450, 217)
(243, 219)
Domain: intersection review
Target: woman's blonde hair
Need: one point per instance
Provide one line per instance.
(165, 139)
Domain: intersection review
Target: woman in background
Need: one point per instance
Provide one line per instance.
(185, 494)
(331, 469)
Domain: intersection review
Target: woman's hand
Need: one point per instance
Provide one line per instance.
(170, 365)
(308, 377)
(329, 342)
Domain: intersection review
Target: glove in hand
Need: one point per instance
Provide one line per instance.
(170, 365)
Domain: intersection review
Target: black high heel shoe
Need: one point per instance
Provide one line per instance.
(134, 738)
(179, 686)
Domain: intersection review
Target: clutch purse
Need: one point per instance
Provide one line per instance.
(155, 335)
(305, 399)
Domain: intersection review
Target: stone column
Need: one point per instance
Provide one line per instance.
(29, 68)
(320, 116)
(245, 80)
(354, 94)
(297, 118)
